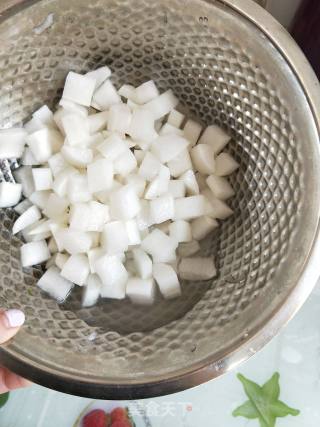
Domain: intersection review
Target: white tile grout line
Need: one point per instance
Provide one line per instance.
(43, 414)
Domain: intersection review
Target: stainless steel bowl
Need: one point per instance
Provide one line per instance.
(229, 63)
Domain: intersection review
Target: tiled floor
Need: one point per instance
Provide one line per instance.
(295, 353)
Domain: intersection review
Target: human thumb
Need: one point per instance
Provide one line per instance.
(10, 322)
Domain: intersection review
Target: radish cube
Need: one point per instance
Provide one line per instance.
(112, 147)
(91, 291)
(114, 237)
(45, 116)
(22, 206)
(137, 182)
(225, 165)
(162, 105)
(93, 255)
(192, 131)
(203, 158)
(201, 227)
(175, 118)
(60, 259)
(201, 180)
(197, 268)
(76, 156)
(88, 216)
(159, 246)
(124, 203)
(150, 167)
(113, 276)
(12, 142)
(167, 147)
(127, 91)
(60, 183)
(177, 188)
(74, 242)
(125, 163)
(41, 145)
(141, 291)
(133, 232)
(57, 163)
(190, 207)
(180, 231)
(162, 209)
(42, 178)
(76, 128)
(10, 194)
(76, 269)
(30, 236)
(180, 164)
(55, 206)
(190, 182)
(34, 253)
(79, 89)
(143, 217)
(217, 208)
(39, 227)
(28, 158)
(142, 126)
(119, 118)
(169, 129)
(159, 185)
(216, 137)
(188, 249)
(33, 125)
(29, 217)
(142, 263)
(99, 75)
(55, 285)
(167, 280)
(139, 155)
(105, 96)
(78, 190)
(98, 121)
(145, 92)
(24, 177)
(72, 107)
(220, 187)
(40, 198)
(164, 226)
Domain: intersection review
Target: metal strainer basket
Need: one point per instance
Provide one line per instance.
(229, 63)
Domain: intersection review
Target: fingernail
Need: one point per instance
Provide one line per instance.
(15, 317)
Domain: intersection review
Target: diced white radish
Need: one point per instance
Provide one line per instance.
(216, 208)
(42, 178)
(203, 158)
(78, 190)
(40, 144)
(10, 194)
(76, 269)
(55, 285)
(150, 167)
(55, 206)
(192, 131)
(60, 259)
(167, 147)
(175, 118)
(76, 128)
(137, 182)
(190, 182)
(91, 291)
(216, 137)
(133, 232)
(112, 147)
(167, 280)
(201, 180)
(162, 105)
(73, 241)
(202, 226)
(57, 163)
(44, 115)
(125, 163)
(114, 237)
(40, 198)
(93, 255)
(145, 92)
(127, 91)
(159, 246)
(124, 203)
(190, 207)
(72, 107)
(29, 217)
(57, 117)
(79, 89)
(142, 126)
(162, 209)
(180, 164)
(60, 183)
(139, 155)
(22, 206)
(52, 245)
(177, 188)
(23, 176)
(77, 156)
(30, 235)
(180, 231)
(113, 276)
(99, 75)
(56, 229)
(164, 226)
(95, 238)
(40, 227)
(33, 125)
(220, 187)
(94, 140)
(28, 158)
(34, 253)
(98, 121)
(12, 142)
(159, 185)
(142, 263)
(141, 291)
(132, 105)
(168, 129)
(105, 96)
(197, 268)
(88, 216)
(143, 217)
(119, 118)
(225, 165)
